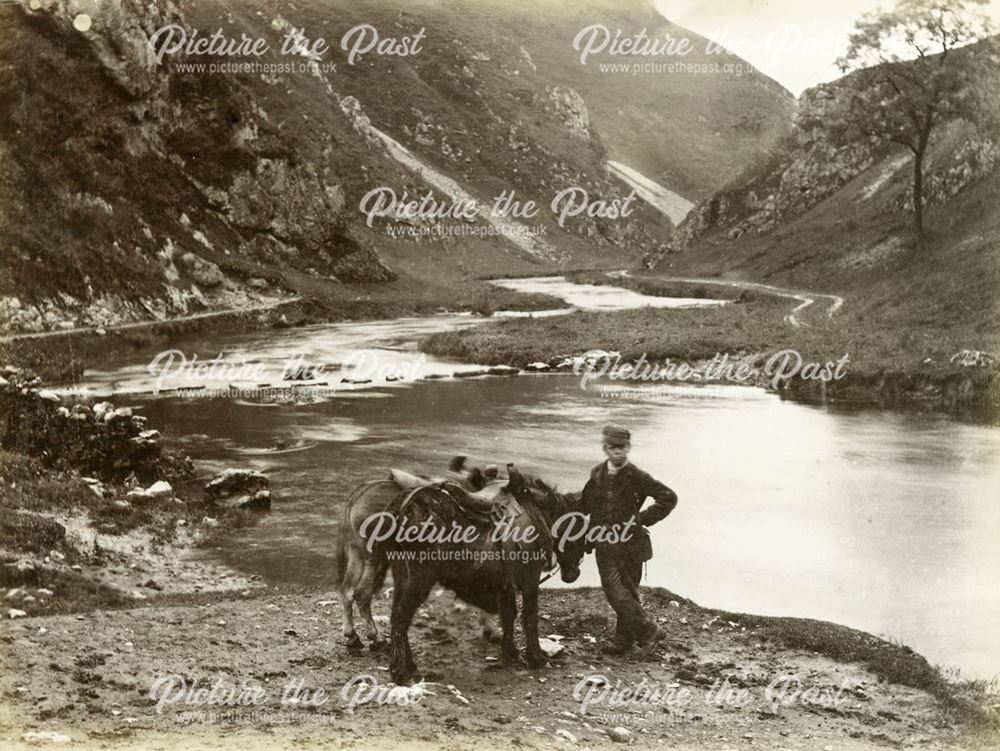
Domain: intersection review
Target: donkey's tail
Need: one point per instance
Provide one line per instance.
(341, 541)
(345, 530)
(340, 555)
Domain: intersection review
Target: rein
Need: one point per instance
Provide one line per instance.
(549, 575)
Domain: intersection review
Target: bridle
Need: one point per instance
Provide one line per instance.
(560, 502)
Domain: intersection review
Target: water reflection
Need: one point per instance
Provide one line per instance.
(600, 297)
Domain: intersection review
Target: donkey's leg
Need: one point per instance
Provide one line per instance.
(508, 612)
(409, 609)
(347, 592)
(397, 636)
(364, 594)
(409, 594)
(529, 622)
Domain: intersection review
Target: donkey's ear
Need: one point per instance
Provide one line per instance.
(515, 481)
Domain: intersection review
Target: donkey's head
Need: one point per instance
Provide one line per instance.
(552, 504)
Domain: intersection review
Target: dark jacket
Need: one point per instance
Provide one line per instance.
(610, 500)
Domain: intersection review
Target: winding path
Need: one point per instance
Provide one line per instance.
(804, 299)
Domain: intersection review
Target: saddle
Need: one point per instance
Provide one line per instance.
(491, 504)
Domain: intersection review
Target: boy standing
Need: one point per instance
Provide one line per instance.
(614, 495)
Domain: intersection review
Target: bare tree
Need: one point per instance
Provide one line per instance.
(911, 76)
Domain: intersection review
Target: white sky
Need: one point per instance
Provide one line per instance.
(796, 42)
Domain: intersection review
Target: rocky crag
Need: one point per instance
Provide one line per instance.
(810, 165)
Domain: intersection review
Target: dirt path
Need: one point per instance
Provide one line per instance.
(804, 299)
(89, 678)
(144, 324)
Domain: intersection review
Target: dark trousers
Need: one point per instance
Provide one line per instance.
(620, 577)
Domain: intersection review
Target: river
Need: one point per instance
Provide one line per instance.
(881, 520)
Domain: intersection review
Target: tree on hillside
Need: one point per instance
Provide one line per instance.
(910, 77)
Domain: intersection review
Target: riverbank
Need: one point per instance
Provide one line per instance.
(95, 511)
(64, 357)
(929, 371)
(69, 543)
(722, 680)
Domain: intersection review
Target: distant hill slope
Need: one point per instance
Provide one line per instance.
(692, 132)
(837, 220)
(133, 190)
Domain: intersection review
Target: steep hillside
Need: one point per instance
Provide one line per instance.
(464, 112)
(122, 181)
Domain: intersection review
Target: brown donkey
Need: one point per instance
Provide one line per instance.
(486, 567)
(360, 573)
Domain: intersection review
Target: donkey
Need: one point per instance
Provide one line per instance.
(360, 574)
(487, 571)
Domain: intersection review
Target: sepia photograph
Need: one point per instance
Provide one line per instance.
(500, 374)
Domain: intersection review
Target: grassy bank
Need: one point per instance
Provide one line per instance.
(690, 334)
(686, 334)
(69, 545)
(883, 366)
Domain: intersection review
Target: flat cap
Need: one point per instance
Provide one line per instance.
(616, 435)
